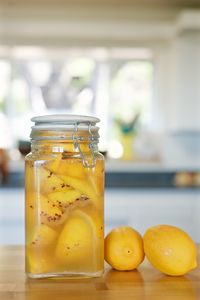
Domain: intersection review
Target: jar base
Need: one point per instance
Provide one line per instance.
(65, 275)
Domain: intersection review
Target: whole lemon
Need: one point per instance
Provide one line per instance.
(76, 241)
(124, 248)
(170, 250)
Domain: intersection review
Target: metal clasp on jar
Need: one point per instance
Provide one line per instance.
(87, 163)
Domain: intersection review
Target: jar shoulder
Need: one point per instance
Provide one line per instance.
(99, 156)
(35, 156)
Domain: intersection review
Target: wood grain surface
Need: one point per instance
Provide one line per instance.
(144, 283)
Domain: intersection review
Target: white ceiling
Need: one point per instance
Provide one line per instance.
(85, 21)
(125, 10)
(163, 3)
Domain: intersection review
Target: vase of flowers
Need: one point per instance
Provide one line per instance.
(127, 131)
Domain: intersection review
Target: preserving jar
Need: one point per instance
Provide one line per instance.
(64, 198)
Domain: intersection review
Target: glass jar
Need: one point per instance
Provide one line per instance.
(64, 192)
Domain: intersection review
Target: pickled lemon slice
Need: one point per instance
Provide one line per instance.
(31, 205)
(82, 186)
(29, 176)
(39, 256)
(39, 260)
(77, 242)
(49, 182)
(63, 199)
(95, 177)
(43, 236)
(49, 212)
(71, 167)
(53, 164)
(97, 217)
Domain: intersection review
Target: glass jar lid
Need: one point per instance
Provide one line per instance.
(77, 128)
(68, 122)
(73, 125)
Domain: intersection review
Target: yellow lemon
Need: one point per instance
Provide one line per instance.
(43, 236)
(170, 250)
(77, 246)
(39, 250)
(82, 186)
(48, 181)
(71, 167)
(124, 248)
(63, 199)
(39, 260)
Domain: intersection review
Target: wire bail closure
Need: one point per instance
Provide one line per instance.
(76, 139)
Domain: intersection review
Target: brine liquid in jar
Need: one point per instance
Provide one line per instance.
(64, 198)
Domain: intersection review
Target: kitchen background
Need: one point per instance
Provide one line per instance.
(135, 65)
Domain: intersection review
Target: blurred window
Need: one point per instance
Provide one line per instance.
(5, 72)
(109, 83)
(131, 91)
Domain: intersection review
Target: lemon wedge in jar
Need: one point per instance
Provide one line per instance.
(82, 186)
(77, 241)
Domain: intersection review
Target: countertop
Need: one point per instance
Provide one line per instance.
(144, 283)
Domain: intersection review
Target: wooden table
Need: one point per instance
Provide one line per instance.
(145, 283)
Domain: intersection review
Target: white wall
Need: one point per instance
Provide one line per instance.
(185, 88)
